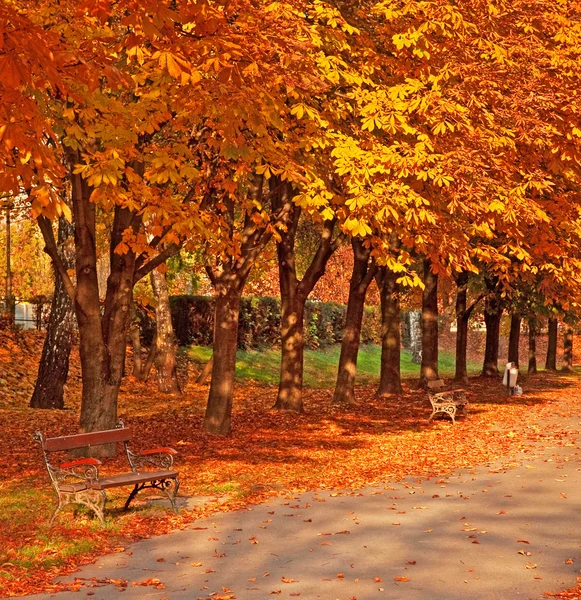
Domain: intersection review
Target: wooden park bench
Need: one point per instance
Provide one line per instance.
(77, 481)
(448, 402)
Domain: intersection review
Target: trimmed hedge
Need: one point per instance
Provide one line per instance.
(259, 324)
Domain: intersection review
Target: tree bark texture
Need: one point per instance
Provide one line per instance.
(102, 336)
(53, 369)
(429, 366)
(462, 318)
(294, 294)
(568, 349)
(134, 336)
(116, 318)
(492, 316)
(551, 361)
(165, 343)
(206, 371)
(228, 278)
(390, 369)
(217, 419)
(514, 338)
(532, 368)
(10, 308)
(361, 277)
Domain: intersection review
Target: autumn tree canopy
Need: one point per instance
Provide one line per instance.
(430, 133)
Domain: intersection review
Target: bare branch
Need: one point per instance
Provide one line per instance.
(166, 253)
(51, 248)
(473, 305)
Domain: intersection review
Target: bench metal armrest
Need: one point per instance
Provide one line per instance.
(158, 451)
(161, 458)
(85, 469)
(441, 398)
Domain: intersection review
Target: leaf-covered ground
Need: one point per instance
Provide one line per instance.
(269, 454)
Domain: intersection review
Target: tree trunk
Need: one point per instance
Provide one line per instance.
(429, 367)
(149, 361)
(462, 318)
(294, 294)
(361, 277)
(206, 371)
(166, 348)
(390, 373)
(92, 349)
(116, 319)
(514, 338)
(10, 300)
(53, 369)
(102, 336)
(135, 341)
(568, 349)
(532, 370)
(229, 278)
(217, 419)
(551, 362)
(492, 316)
(292, 354)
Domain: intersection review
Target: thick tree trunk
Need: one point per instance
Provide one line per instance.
(514, 338)
(361, 277)
(229, 278)
(294, 294)
(568, 349)
(429, 367)
(53, 369)
(551, 362)
(492, 316)
(92, 348)
(390, 371)
(292, 353)
(462, 318)
(532, 369)
(217, 419)
(116, 320)
(102, 337)
(166, 348)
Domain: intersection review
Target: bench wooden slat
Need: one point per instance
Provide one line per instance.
(130, 479)
(82, 440)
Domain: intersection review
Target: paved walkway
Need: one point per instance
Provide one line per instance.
(495, 533)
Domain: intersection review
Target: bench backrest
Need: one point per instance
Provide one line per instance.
(84, 440)
(437, 384)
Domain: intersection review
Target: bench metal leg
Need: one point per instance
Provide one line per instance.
(132, 495)
(92, 499)
(445, 410)
(172, 495)
(169, 487)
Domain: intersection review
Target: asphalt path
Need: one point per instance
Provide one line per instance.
(509, 530)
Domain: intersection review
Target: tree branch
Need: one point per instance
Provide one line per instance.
(51, 248)
(166, 253)
(473, 305)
